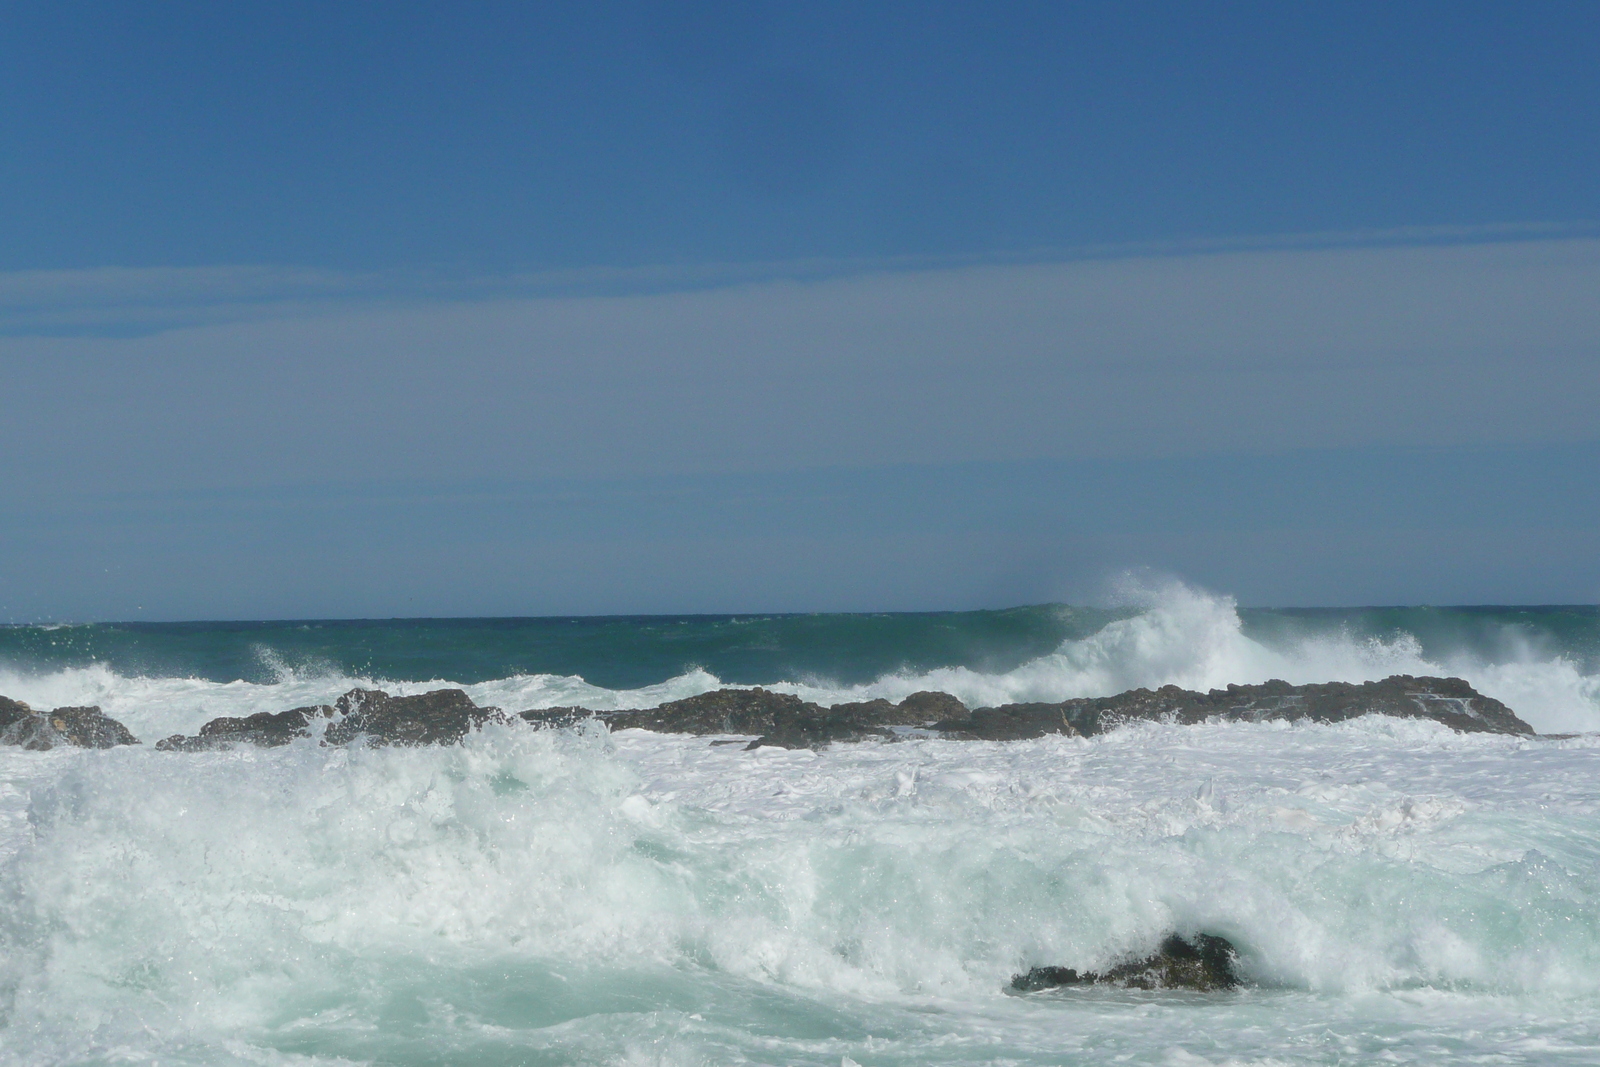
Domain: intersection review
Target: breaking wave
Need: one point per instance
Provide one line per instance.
(1396, 891)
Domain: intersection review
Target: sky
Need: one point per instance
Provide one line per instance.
(351, 310)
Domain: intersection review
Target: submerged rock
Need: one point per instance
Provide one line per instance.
(40, 731)
(1205, 964)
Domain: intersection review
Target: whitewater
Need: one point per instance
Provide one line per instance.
(1397, 892)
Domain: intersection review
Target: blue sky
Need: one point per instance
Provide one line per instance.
(343, 309)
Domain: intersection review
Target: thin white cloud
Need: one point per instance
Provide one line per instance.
(125, 300)
(1263, 350)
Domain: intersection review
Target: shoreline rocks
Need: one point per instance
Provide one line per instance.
(445, 716)
(1451, 701)
(439, 717)
(40, 731)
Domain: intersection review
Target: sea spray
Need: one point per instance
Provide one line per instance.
(290, 899)
(1397, 891)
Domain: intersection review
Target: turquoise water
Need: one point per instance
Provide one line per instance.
(627, 652)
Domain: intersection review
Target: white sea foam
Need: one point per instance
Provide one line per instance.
(1399, 892)
(573, 896)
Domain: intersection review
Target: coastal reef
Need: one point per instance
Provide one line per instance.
(783, 720)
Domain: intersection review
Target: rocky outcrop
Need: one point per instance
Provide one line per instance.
(779, 719)
(267, 729)
(1450, 701)
(1204, 963)
(445, 716)
(441, 717)
(74, 727)
(789, 722)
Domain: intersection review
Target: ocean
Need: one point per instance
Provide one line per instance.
(1398, 893)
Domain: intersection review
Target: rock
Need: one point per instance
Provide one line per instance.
(12, 711)
(40, 731)
(723, 711)
(926, 708)
(1450, 701)
(778, 719)
(267, 729)
(555, 717)
(442, 717)
(815, 728)
(1010, 722)
(1205, 964)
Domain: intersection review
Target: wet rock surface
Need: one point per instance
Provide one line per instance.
(441, 717)
(783, 720)
(266, 729)
(778, 719)
(1450, 701)
(1204, 963)
(40, 731)
(789, 722)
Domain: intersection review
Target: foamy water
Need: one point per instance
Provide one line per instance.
(1398, 893)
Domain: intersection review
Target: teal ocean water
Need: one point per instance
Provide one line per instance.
(1398, 893)
(629, 652)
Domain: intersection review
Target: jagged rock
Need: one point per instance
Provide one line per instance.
(445, 716)
(267, 729)
(1450, 701)
(40, 731)
(813, 729)
(1010, 722)
(441, 717)
(1206, 964)
(779, 719)
(723, 711)
(563, 716)
(11, 711)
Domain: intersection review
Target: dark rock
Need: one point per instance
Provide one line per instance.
(267, 729)
(778, 719)
(12, 711)
(813, 729)
(1205, 964)
(442, 717)
(926, 708)
(722, 711)
(445, 716)
(1010, 722)
(554, 717)
(1450, 701)
(40, 731)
